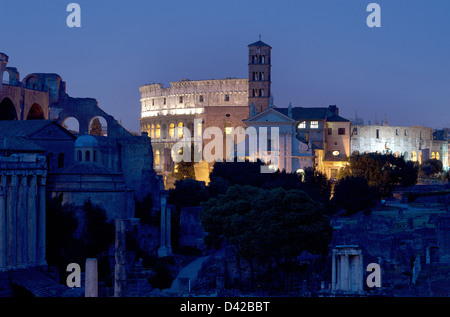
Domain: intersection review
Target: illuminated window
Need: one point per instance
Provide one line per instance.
(414, 156)
(199, 129)
(302, 125)
(438, 156)
(152, 131)
(433, 155)
(158, 131)
(157, 158)
(180, 130)
(172, 130)
(228, 127)
(314, 124)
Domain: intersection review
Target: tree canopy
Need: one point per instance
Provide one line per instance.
(383, 172)
(266, 225)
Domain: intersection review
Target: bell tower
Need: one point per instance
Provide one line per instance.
(259, 78)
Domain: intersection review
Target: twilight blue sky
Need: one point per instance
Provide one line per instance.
(322, 51)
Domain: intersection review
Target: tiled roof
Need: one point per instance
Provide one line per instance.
(305, 113)
(258, 43)
(9, 128)
(336, 118)
(21, 144)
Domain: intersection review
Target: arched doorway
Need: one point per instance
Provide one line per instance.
(7, 110)
(98, 126)
(36, 113)
(72, 125)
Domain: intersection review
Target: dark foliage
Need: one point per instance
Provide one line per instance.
(353, 194)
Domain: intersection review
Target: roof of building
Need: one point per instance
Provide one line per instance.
(19, 144)
(336, 118)
(259, 43)
(305, 113)
(316, 113)
(87, 168)
(22, 128)
(86, 140)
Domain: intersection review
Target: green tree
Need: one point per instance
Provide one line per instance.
(100, 231)
(353, 194)
(186, 169)
(266, 225)
(96, 127)
(409, 174)
(61, 224)
(431, 167)
(382, 172)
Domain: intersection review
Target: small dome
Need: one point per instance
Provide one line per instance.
(86, 141)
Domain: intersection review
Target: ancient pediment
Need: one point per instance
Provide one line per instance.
(269, 115)
(51, 131)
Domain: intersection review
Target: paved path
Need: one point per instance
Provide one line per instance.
(191, 270)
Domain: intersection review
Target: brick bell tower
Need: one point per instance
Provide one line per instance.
(259, 60)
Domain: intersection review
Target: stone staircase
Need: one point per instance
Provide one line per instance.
(36, 282)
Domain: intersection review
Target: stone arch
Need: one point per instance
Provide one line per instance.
(172, 130)
(6, 77)
(157, 131)
(72, 124)
(157, 158)
(98, 126)
(406, 156)
(190, 127)
(7, 110)
(180, 130)
(32, 82)
(35, 113)
(164, 131)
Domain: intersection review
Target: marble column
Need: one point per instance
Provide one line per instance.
(22, 221)
(165, 248)
(289, 153)
(31, 220)
(120, 270)
(282, 162)
(41, 223)
(334, 271)
(3, 222)
(91, 285)
(11, 227)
